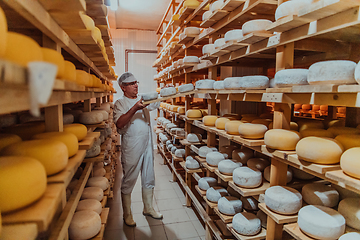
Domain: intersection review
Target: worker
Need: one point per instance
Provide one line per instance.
(132, 120)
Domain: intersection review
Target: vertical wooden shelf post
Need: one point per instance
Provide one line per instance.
(54, 118)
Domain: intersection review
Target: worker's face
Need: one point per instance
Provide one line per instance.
(130, 89)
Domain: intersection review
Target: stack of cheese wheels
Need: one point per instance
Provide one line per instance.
(320, 194)
(232, 127)
(193, 138)
(258, 163)
(173, 149)
(149, 96)
(27, 130)
(209, 120)
(69, 139)
(316, 132)
(227, 149)
(53, 154)
(191, 59)
(350, 162)
(289, 174)
(218, 85)
(229, 205)
(299, 174)
(180, 153)
(219, 43)
(283, 200)
(89, 204)
(186, 87)
(54, 57)
(169, 91)
(85, 224)
(101, 182)
(246, 224)
(3, 34)
(208, 48)
(22, 182)
(193, 113)
(242, 155)
(8, 139)
(79, 130)
(252, 131)
(247, 177)
(350, 209)
(321, 222)
(91, 117)
(319, 150)
(93, 193)
(228, 166)
(205, 84)
(221, 122)
(204, 150)
(213, 158)
(191, 163)
(256, 26)
(343, 130)
(291, 77)
(254, 82)
(292, 7)
(233, 35)
(332, 72)
(281, 139)
(213, 194)
(205, 183)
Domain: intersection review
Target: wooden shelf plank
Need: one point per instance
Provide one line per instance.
(98, 158)
(208, 167)
(344, 180)
(187, 11)
(88, 141)
(207, 57)
(287, 23)
(318, 168)
(233, 46)
(185, 142)
(261, 235)
(104, 215)
(277, 153)
(294, 230)
(248, 142)
(219, 52)
(200, 191)
(247, 192)
(230, 5)
(278, 218)
(224, 218)
(186, 39)
(225, 178)
(169, 97)
(100, 235)
(349, 88)
(255, 37)
(214, 17)
(19, 231)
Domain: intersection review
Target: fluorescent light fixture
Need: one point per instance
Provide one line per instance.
(114, 4)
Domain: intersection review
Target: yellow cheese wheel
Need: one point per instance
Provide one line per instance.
(191, 3)
(3, 33)
(97, 34)
(26, 130)
(265, 122)
(22, 49)
(281, 139)
(80, 130)
(349, 140)
(319, 150)
(252, 131)
(193, 113)
(83, 78)
(7, 139)
(88, 21)
(22, 181)
(232, 127)
(350, 162)
(310, 124)
(69, 71)
(175, 17)
(343, 130)
(55, 57)
(210, 120)
(52, 154)
(220, 123)
(316, 132)
(181, 110)
(69, 139)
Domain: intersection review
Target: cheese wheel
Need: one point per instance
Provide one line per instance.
(91, 117)
(205, 84)
(192, 164)
(93, 193)
(3, 35)
(8, 139)
(334, 123)
(209, 120)
(349, 140)
(69, 72)
(350, 236)
(232, 127)
(68, 118)
(191, 59)
(191, 3)
(173, 149)
(219, 43)
(206, 15)
(356, 73)
(221, 122)
(256, 26)
(99, 172)
(299, 174)
(208, 48)
(88, 21)
(254, 82)
(69, 139)
(193, 138)
(22, 182)
(104, 113)
(250, 203)
(169, 147)
(167, 91)
(101, 182)
(228, 149)
(218, 85)
(252, 131)
(343, 130)
(192, 31)
(186, 87)
(332, 72)
(193, 113)
(246, 224)
(228, 166)
(258, 163)
(247, 177)
(83, 78)
(22, 49)
(291, 77)
(283, 200)
(229, 205)
(350, 162)
(321, 222)
(232, 83)
(291, 8)
(149, 96)
(319, 150)
(180, 132)
(289, 174)
(95, 150)
(303, 125)
(180, 153)
(105, 106)
(89, 204)
(54, 57)
(85, 224)
(79, 130)
(205, 183)
(272, 83)
(213, 158)
(320, 194)
(316, 132)
(233, 35)
(217, 5)
(52, 154)
(349, 208)
(204, 150)
(213, 194)
(281, 139)
(242, 155)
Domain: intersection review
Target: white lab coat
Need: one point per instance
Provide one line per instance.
(136, 145)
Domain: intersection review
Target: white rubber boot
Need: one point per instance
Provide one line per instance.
(147, 196)
(126, 203)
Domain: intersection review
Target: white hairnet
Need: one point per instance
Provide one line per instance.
(126, 78)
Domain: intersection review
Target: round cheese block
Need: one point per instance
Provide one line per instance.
(246, 224)
(193, 113)
(169, 147)
(219, 43)
(3, 33)
(291, 8)
(54, 57)
(180, 132)
(289, 174)
(22, 182)
(343, 130)
(191, 3)
(167, 91)
(204, 150)
(291, 77)
(209, 120)
(233, 35)
(254, 82)
(191, 59)
(173, 149)
(350, 162)
(94, 151)
(101, 182)
(168, 142)
(242, 155)
(89, 204)
(206, 15)
(99, 172)
(218, 85)
(205, 84)
(68, 118)
(217, 5)
(85, 224)
(69, 71)
(229, 205)
(232, 127)
(332, 72)
(350, 236)
(247, 177)
(272, 83)
(252, 131)
(320, 194)
(250, 203)
(258, 163)
(349, 140)
(335, 122)
(93, 193)
(349, 208)
(193, 138)
(221, 122)
(192, 31)
(228, 149)
(319, 150)
(321, 222)
(181, 110)
(281, 139)
(205, 183)
(149, 96)
(283, 200)
(180, 153)
(8, 139)
(91, 118)
(83, 78)
(228, 166)
(213, 158)
(345, 193)
(69, 139)
(208, 48)
(232, 83)
(299, 174)
(316, 132)
(213, 194)
(256, 26)
(186, 87)
(192, 164)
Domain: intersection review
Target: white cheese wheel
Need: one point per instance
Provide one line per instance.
(192, 164)
(289, 174)
(263, 218)
(91, 118)
(208, 49)
(283, 200)
(229, 205)
(101, 182)
(350, 209)
(254, 82)
(332, 72)
(209, 120)
(218, 85)
(349, 140)
(321, 222)
(343, 130)
(93, 193)
(193, 113)
(191, 59)
(192, 31)
(84, 225)
(242, 155)
(213, 158)
(232, 83)
(233, 35)
(206, 15)
(228, 166)
(205, 183)
(193, 138)
(94, 151)
(169, 147)
(281, 139)
(258, 163)
(320, 194)
(205, 84)
(291, 8)
(89, 204)
(350, 162)
(219, 43)
(291, 77)
(246, 224)
(217, 5)
(272, 83)
(180, 153)
(357, 73)
(149, 96)
(316, 132)
(265, 122)
(299, 174)
(168, 142)
(186, 87)
(213, 194)
(252, 131)
(221, 122)
(250, 203)
(256, 26)
(78, 129)
(247, 177)
(170, 126)
(204, 150)
(228, 149)
(68, 118)
(350, 236)
(319, 150)
(232, 127)
(167, 91)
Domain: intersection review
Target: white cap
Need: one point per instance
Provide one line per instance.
(126, 78)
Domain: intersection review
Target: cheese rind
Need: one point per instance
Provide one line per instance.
(192, 31)
(205, 84)
(227, 149)
(208, 48)
(91, 118)
(204, 150)
(206, 15)
(205, 183)
(229, 205)
(349, 208)
(213, 158)
(193, 138)
(350, 162)
(233, 35)
(193, 113)
(3, 32)
(254, 82)
(291, 77)
(192, 164)
(316, 132)
(227, 166)
(93, 193)
(350, 236)
(186, 87)
(320, 194)
(218, 85)
(232, 127)
(219, 43)
(69, 139)
(167, 91)
(246, 224)
(7, 139)
(85, 224)
(252, 130)
(213, 194)
(149, 96)
(221, 122)
(247, 177)
(209, 120)
(258, 163)
(191, 59)
(281, 139)
(343, 130)
(78, 129)
(89, 204)
(232, 83)
(101, 182)
(256, 26)
(217, 5)
(283, 200)
(291, 8)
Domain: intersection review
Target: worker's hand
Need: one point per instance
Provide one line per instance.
(139, 105)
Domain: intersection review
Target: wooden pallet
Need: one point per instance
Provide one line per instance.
(278, 218)
(261, 235)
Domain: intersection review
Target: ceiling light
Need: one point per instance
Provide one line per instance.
(114, 4)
